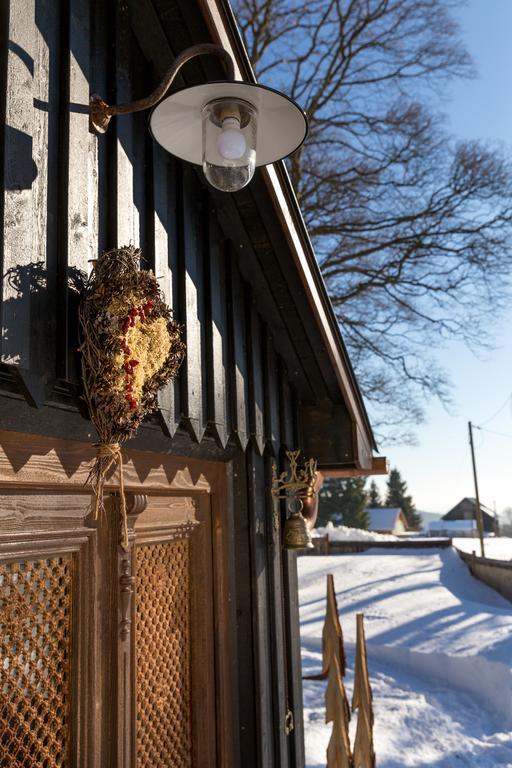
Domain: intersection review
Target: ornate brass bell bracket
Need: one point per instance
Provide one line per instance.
(295, 486)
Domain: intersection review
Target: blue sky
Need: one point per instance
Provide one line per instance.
(438, 470)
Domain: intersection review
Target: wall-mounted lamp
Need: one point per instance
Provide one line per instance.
(295, 487)
(228, 127)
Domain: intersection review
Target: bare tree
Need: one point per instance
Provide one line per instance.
(411, 228)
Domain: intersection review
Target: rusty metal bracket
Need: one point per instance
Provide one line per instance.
(100, 112)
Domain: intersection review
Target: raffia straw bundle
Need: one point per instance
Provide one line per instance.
(131, 347)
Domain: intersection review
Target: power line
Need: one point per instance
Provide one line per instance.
(493, 431)
(507, 401)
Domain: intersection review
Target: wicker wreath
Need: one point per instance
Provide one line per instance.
(131, 347)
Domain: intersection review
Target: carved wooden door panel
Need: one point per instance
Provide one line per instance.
(174, 634)
(46, 715)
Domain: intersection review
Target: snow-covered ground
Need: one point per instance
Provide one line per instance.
(499, 548)
(440, 655)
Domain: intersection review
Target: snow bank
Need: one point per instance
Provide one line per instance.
(496, 548)
(342, 533)
(424, 613)
(419, 722)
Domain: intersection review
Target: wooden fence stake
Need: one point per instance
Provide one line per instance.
(364, 756)
(337, 709)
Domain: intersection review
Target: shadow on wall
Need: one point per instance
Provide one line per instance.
(35, 332)
(20, 168)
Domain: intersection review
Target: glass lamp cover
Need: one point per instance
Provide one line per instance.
(229, 143)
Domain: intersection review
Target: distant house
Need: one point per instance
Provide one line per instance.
(387, 520)
(466, 510)
(453, 528)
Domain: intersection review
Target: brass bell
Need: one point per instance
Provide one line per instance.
(296, 534)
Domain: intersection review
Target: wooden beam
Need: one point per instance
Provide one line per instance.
(380, 466)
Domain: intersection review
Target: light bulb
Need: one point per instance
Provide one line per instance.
(231, 142)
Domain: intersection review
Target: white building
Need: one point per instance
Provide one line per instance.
(387, 520)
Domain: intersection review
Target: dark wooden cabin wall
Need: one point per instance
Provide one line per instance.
(68, 195)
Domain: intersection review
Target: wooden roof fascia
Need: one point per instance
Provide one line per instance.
(379, 466)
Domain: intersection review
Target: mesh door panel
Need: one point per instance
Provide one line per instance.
(163, 655)
(35, 653)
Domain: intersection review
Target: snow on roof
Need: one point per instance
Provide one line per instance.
(383, 518)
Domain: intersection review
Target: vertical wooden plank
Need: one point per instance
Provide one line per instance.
(272, 426)
(218, 362)
(258, 495)
(256, 388)
(285, 409)
(100, 150)
(202, 658)
(225, 588)
(46, 153)
(238, 370)
(127, 219)
(141, 157)
(81, 194)
(166, 262)
(292, 622)
(19, 174)
(291, 433)
(246, 699)
(81, 242)
(278, 630)
(193, 394)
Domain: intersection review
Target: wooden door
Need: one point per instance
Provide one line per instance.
(108, 656)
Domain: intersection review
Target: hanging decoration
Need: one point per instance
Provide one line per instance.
(295, 487)
(131, 347)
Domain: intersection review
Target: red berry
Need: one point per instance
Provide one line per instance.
(133, 363)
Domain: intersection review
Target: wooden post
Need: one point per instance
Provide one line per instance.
(364, 756)
(479, 520)
(337, 709)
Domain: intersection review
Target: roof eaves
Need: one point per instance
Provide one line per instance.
(223, 25)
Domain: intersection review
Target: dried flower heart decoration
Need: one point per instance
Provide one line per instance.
(131, 347)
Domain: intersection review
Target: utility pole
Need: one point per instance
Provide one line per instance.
(477, 497)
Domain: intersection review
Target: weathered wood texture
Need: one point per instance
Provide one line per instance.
(255, 360)
(221, 260)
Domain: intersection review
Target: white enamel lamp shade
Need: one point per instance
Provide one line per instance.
(176, 122)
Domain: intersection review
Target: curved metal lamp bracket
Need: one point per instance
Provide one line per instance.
(100, 112)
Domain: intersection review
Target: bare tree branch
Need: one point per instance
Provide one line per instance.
(411, 228)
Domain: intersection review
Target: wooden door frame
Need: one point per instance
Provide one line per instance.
(32, 464)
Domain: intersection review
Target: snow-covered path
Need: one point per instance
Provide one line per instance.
(440, 654)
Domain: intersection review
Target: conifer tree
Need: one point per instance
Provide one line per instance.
(374, 499)
(344, 502)
(397, 496)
